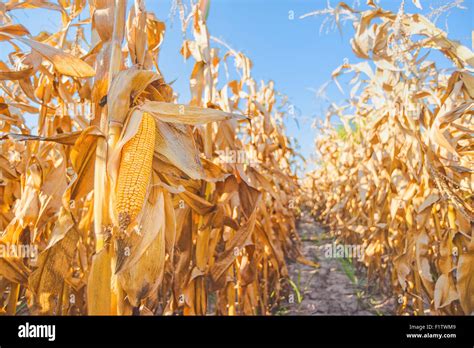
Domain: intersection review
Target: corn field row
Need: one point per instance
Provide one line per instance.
(138, 204)
(397, 175)
(134, 203)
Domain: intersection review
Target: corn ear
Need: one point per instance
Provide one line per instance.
(134, 172)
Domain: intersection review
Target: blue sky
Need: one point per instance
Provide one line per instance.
(291, 52)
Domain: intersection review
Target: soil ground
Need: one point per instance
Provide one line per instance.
(336, 287)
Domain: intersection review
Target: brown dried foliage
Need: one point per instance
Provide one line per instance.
(397, 176)
(213, 233)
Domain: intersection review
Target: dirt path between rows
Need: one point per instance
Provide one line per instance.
(336, 287)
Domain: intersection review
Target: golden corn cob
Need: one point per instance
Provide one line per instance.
(135, 171)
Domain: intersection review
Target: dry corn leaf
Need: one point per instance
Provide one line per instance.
(63, 62)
